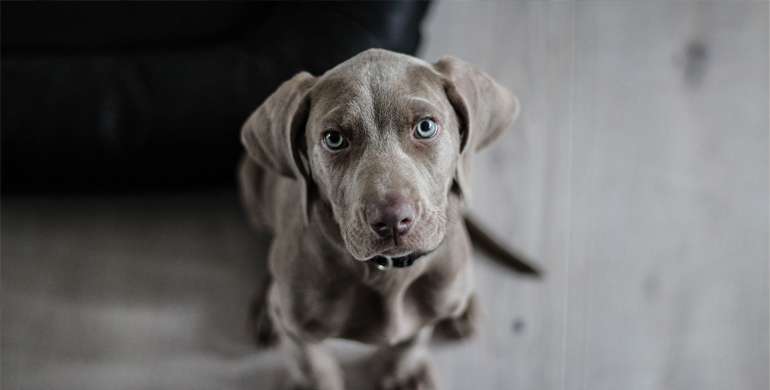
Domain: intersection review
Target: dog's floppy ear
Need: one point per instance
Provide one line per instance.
(484, 109)
(272, 134)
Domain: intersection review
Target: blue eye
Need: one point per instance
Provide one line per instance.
(426, 128)
(334, 140)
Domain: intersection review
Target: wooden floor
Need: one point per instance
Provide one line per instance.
(637, 176)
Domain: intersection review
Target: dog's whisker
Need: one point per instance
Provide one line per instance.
(441, 215)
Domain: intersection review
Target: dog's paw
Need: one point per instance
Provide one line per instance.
(422, 378)
(260, 326)
(321, 372)
(462, 327)
(297, 386)
(454, 329)
(263, 333)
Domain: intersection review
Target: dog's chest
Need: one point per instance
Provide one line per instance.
(387, 311)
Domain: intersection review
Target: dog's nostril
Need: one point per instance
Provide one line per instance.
(405, 223)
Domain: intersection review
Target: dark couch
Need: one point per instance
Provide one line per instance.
(146, 96)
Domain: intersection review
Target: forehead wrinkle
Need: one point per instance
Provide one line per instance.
(429, 87)
(425, 101)
(393, 105)
(348, 98)
(330, 112)
(375, 100)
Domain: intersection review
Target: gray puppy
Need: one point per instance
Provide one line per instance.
(359, 175)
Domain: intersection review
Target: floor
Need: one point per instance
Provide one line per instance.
(636, 176)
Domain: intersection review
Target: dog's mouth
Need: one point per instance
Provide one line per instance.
(364, 244)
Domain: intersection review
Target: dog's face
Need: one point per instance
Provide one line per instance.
(381, 139)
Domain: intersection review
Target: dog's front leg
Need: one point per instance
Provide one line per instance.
(311, 366)
(406, 365)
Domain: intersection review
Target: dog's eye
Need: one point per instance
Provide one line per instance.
(426, 128)
(334, 140)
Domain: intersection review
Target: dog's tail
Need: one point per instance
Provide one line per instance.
(492, 247)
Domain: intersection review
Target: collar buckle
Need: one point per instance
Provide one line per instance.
(383, 262)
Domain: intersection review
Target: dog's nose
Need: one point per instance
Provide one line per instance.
(391, 218)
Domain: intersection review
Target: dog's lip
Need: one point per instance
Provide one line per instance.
(388, 250)
(396, 251)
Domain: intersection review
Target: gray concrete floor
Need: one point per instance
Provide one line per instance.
(637, 176)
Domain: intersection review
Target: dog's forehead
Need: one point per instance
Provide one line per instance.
(375, 80)
(380, 65)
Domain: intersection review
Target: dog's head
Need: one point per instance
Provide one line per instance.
(382, 139)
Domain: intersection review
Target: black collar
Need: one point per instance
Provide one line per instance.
(384, 262)
(398, 262)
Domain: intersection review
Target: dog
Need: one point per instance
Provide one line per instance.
(359, 175)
